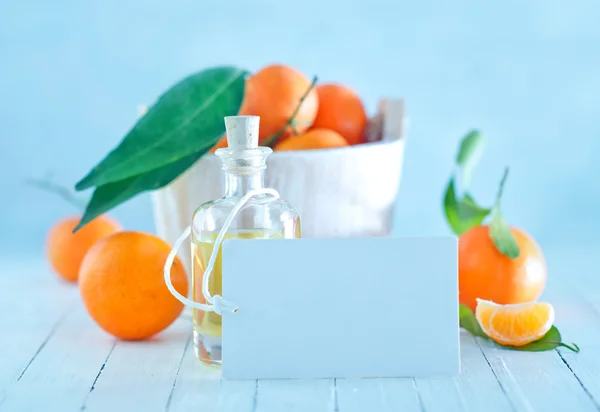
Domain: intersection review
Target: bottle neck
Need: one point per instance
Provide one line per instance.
(238, 184)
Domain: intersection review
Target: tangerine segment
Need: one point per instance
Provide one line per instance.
(514, 324)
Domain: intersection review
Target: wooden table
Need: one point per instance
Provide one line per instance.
(54, 358)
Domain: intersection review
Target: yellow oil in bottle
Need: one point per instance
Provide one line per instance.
(207, 325)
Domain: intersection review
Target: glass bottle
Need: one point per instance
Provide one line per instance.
(261, 217)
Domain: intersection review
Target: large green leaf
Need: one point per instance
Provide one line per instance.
(108, 196)
(186, 119)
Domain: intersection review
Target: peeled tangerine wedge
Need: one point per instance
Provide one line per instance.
(514, 325)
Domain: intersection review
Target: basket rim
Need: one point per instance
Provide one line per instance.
(338, 150)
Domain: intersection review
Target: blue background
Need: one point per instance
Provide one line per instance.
(526, 73)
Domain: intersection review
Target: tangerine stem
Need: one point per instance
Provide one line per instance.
(575, 348)
(273, 139)
(56, 189)
(294, 130)
(501, 188)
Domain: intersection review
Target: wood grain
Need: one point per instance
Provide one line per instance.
(197, 384)
(53, 357)
(140, 376)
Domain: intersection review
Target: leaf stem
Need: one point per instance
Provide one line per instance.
(573, 348)
(501, 189)
(56, 189)
(271, 140)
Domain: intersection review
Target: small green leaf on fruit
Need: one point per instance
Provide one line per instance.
(503, 237)
(500, 231)
(469, 322)
(462, 214)
(469, 153)
(468, 209)
(551, 340)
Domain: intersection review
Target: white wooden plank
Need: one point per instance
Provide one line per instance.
(144, 375)
(542, 380)
(586, 366)
(577, 306)
(296, 395)
(378, 395)
(140, 375)
(476, 389)
(200, 386)
(537, 380)
(61, 375)
(34, 303)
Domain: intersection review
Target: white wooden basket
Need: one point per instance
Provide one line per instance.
(342, 192)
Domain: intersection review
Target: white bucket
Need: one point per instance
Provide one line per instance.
(342, 192)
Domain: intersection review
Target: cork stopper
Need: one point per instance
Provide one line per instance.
(242, 132)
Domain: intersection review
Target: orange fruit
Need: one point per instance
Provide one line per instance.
(122, 285)
(341, 110)
(485, 273)
(65, 250)
(514, 325)
(273, 93)
(313, 139)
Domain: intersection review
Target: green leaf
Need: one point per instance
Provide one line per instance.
(186, 119)
(551, 340)
(469, 322)
(503, 237)
(462, 214)
(500, 231)
(469, 153)
(108, 196)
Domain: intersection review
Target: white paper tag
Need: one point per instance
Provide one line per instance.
(341, 308)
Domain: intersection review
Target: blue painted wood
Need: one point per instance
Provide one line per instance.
(477, 388)
(378, 395)
(297, 395)
(199, 387)
(55, 361)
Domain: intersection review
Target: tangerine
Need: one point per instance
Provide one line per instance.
(122, 285)
(65, 250)
(313, 139)
(341, 109)
(485, 273)
(274, 93)
(514, 325)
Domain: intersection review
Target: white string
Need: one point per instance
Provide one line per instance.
(216, 303)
